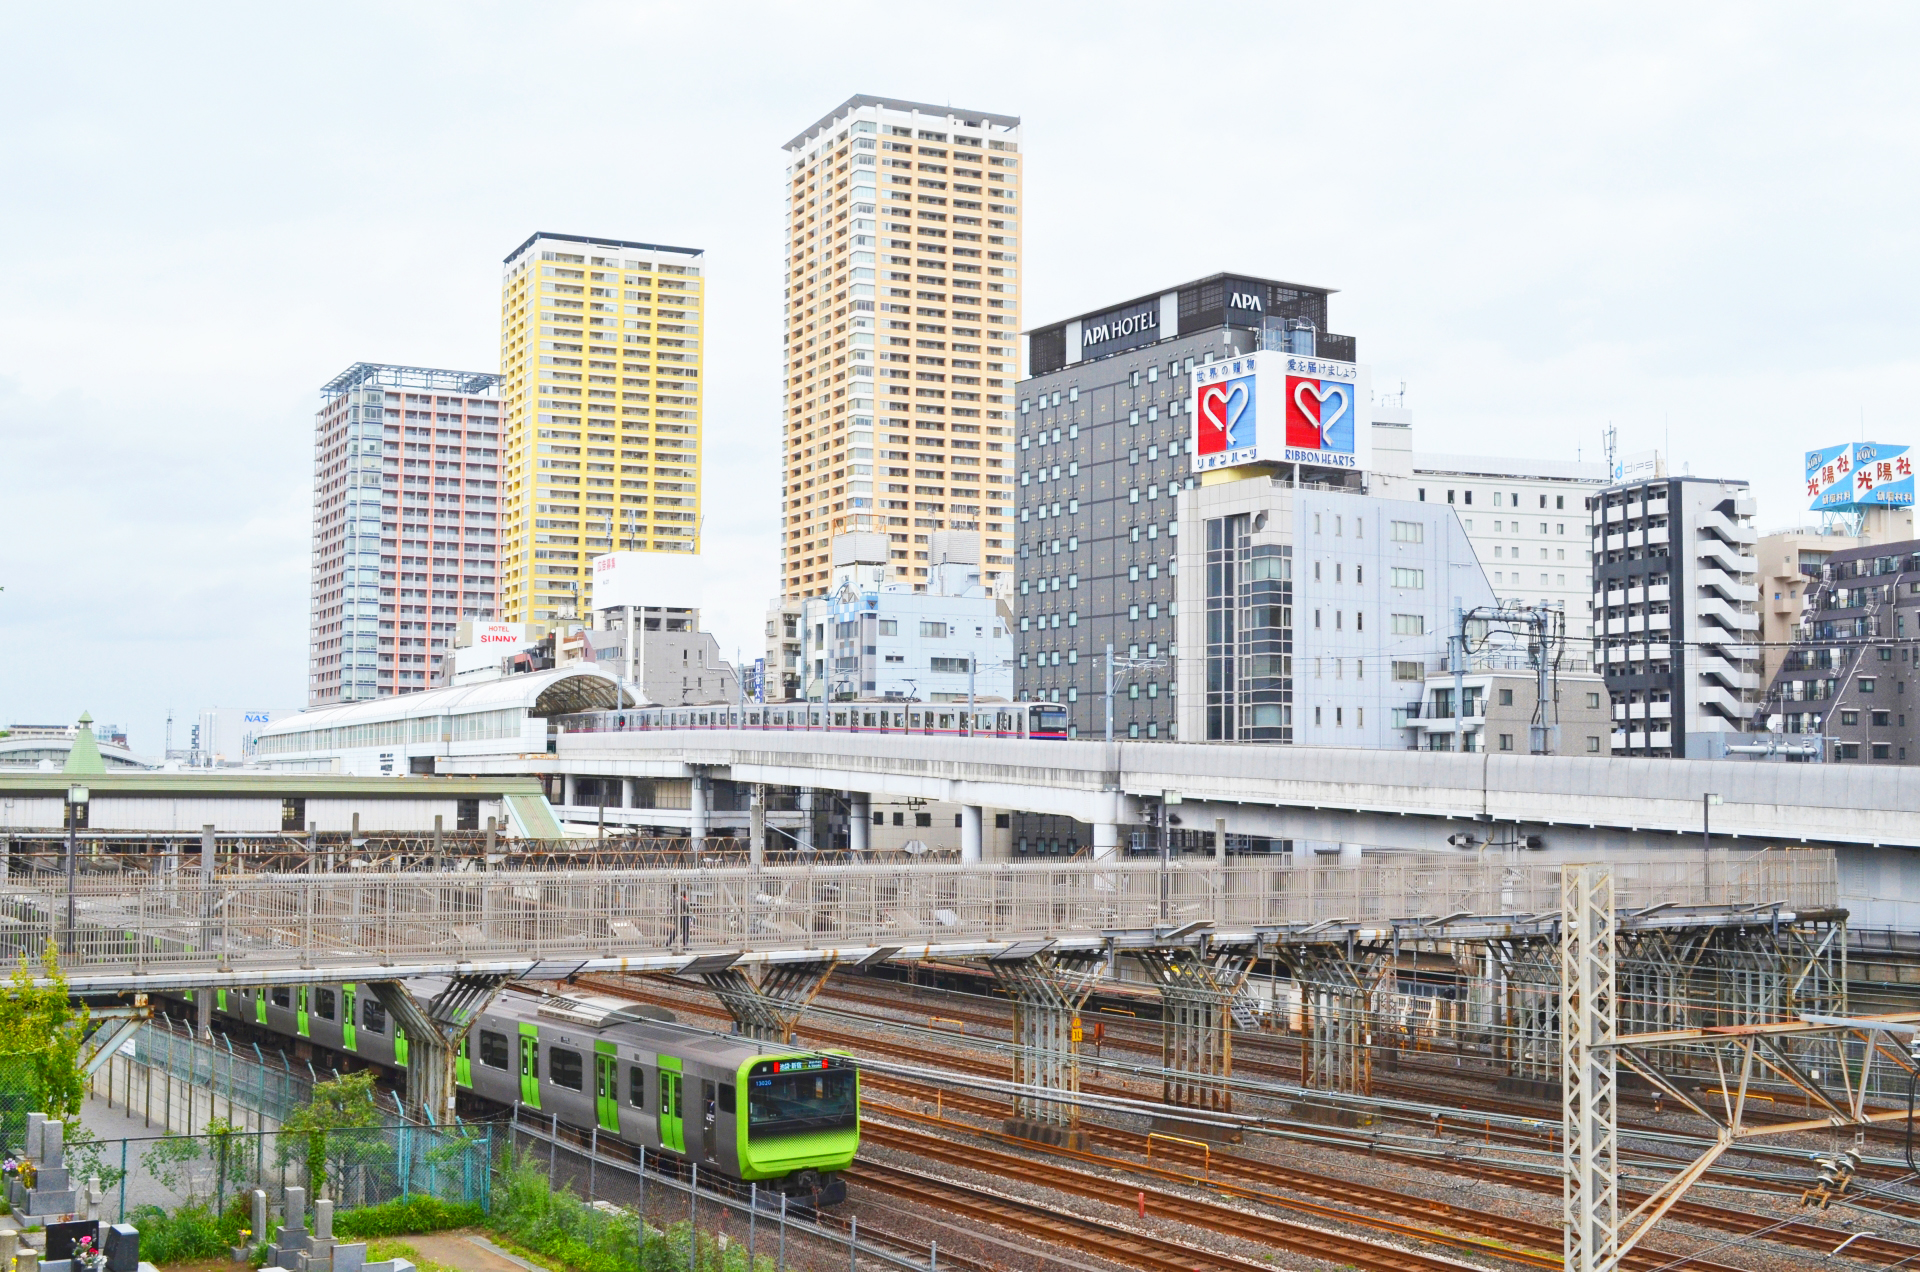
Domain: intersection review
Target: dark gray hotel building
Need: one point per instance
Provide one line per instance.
(1103, 433)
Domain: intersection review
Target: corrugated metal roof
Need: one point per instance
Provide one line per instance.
(577, 688)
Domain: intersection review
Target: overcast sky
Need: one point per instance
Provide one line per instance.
(1696, 222)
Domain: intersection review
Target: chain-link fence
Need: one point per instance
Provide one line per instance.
(357, 1166)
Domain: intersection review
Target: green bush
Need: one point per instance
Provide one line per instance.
(405, 1216)
(191, 1232)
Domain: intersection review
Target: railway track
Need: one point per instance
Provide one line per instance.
(1281, 1060)
(1128, 1245)
(1231, 1174)
(1802, 1235)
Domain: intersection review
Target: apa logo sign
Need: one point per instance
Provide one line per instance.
(1228, 417)
(1319, 414)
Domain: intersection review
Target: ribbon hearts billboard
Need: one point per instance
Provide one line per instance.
(1316, 412)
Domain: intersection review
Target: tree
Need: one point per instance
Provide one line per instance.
(40, 1035)
(333, 1132)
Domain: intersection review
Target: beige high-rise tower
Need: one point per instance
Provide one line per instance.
(902, 336)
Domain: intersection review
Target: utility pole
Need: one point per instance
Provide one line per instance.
(1129, 664)
(972, 661)
(1109, 691)
(1457, 655)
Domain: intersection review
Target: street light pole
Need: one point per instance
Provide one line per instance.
(76, 800)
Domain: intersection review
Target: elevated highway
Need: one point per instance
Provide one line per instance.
(1384, 799)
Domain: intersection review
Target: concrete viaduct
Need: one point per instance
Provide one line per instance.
(1401, 800)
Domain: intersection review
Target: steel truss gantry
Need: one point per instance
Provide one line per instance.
(1859, 1059)
(435, 1035)
(1047, 990)
(1590, 1169)
(766, 1000)
(1340, 990)
(1198, 986)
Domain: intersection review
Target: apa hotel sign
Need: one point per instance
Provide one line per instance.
(1128, 327)
(1278, 407)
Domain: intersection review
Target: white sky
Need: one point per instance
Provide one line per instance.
(1693, 221)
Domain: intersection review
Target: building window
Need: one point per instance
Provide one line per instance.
(1409, 624)
(1882, 751)
(1593, 743)
(1593, 702)
(1506, 741)
(1506, 697)
(1410, 531)
(1409, 578)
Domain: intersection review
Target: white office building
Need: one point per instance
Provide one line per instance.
(872, 637)
(1526, 519)
(1314, 616)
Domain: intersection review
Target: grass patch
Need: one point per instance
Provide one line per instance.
(560, 1227)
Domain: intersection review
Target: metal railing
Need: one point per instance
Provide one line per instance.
(318, 921)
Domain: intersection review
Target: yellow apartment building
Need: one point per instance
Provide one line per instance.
(600, 375)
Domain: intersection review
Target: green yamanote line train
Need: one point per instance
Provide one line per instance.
(786, 1119)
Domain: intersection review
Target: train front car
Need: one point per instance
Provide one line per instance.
(802, 1122)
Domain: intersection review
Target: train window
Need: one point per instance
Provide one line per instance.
(323, 1002)
(493, 1049)
(637, 1087)
(726, 1098)
(281, 996)
(374, 1016)
(564, 1069)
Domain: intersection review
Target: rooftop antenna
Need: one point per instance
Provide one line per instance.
(1609, 442)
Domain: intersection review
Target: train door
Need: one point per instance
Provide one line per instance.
(399, 1047)
(672, 1128)
(463, 1066)
(260, 1005)
(301, 1021)
(220, 1001)
(349, 1016)
(606, 1086)
(710, 1120)
(530, 1066)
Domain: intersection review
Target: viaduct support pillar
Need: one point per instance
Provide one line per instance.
(697, 829)
(859, 822)
(805, 837)
(970, 849)
(436, 1037)
(1106, 840)
(766, 1001)
(757, 826)
(1048, 991)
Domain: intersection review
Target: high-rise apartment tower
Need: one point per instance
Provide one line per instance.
(902, 322)
(600, 384)
(405, 492)
(1676, 614)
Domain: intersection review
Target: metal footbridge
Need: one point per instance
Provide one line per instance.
(135, 931)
